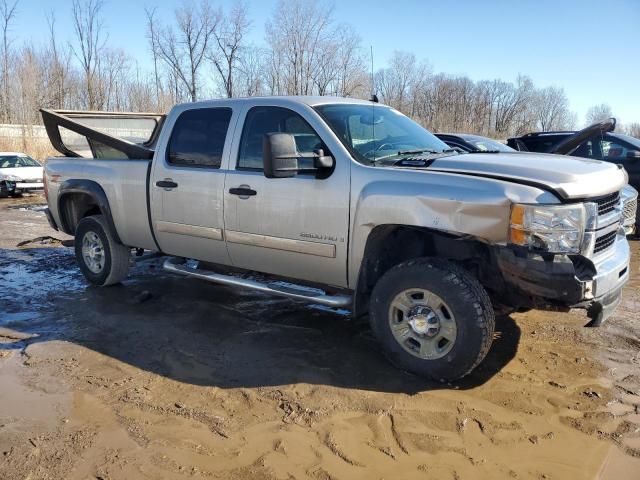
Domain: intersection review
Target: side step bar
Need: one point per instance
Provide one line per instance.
(177, 265)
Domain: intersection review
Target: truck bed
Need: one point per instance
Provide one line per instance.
(124, 182)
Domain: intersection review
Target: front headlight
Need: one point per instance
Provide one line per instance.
(548, 228)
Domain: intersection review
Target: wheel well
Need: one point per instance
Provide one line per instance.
(390, 245)
(74, 207)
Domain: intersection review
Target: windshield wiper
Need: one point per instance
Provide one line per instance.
(419, 150)
(484, 151)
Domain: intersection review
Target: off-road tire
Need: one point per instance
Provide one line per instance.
(116, 255)
(465, 296)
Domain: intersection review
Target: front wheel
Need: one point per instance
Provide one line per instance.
(432, 318)
(102, 260)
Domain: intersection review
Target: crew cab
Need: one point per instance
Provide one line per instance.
(350, 202)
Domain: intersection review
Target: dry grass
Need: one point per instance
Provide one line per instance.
(36, 147)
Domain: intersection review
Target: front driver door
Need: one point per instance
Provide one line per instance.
(295, 227)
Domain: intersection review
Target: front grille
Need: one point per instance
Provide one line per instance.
(605, 241)
(629, 211)
(608, 204)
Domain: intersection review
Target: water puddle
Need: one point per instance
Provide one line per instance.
(28, 207)
(30, 281)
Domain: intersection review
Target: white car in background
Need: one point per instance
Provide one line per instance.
(19, 173)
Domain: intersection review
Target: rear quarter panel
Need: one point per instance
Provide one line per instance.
(125, 185)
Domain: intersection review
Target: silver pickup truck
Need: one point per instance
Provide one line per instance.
(343, 203)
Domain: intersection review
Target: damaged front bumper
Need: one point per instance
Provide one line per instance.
(563, 281)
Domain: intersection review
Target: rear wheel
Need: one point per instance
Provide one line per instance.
(432, 318)
(102, 260)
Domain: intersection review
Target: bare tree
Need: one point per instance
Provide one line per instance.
(633, 129)
(341, 68)
(296, 33)
(152, 35)
(88, 29)
(7, 15)
(229, 45)
(551, 109)
(58, 71)
(184, 47)
(251, 68)
(598, 113)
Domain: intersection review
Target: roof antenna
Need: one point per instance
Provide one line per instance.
(373, 98)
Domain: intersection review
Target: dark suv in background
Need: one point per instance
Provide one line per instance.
(598, 142)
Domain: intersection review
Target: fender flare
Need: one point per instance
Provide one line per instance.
(93, 190)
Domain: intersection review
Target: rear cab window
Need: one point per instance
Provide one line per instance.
(198, 138)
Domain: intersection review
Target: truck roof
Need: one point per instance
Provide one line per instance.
(309, 100)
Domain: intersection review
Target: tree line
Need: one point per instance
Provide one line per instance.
(204, 51)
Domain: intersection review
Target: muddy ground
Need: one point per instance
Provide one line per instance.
(167, 377)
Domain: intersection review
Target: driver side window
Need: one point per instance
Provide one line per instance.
(263, 120)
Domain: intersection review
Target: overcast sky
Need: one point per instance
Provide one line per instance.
(590, 48)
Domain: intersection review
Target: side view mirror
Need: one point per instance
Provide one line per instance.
(633, 155)
(280, 156)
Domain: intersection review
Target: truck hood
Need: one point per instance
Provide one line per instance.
(568, 177)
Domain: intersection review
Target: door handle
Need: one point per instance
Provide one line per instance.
(166, 183)
(243, 191)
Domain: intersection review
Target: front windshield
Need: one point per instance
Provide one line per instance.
(14, 161)
(373, 132)
(488, 144)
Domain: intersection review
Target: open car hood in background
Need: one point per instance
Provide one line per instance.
(568, 145)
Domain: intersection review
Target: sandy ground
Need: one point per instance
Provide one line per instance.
(167, 377)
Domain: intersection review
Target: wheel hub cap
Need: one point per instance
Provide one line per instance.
(423, 321)
(93, 252)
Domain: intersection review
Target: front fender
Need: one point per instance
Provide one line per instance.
(453, 204)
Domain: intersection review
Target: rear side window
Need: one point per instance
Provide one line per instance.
(263, 120)
(198, 138)
(613, 151)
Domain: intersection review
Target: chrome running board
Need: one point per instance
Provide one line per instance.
(297, 292)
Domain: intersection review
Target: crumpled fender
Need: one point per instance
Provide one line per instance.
(455, 204)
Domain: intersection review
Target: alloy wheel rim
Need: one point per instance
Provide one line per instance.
(93, 252)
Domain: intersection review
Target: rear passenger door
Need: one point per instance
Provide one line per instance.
(187, 182)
